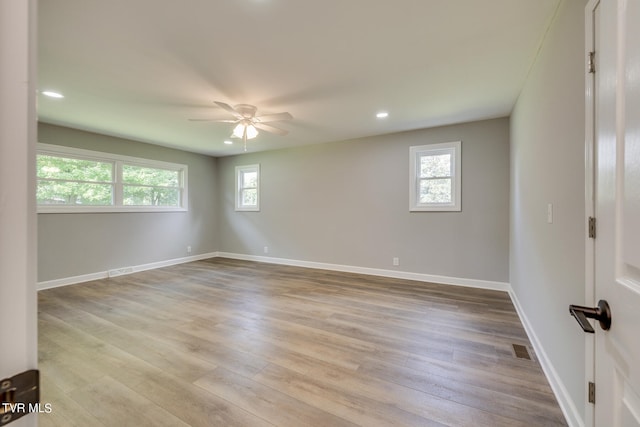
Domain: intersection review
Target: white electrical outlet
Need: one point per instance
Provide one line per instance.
(396, 261)
(266, 249)
(188, 249)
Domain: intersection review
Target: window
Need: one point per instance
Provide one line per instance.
(75, 180)
(69, 181)
(147, 186)
(248, 188)
(435, 178)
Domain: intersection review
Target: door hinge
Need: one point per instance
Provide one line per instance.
(20, 395)
(592, 392)
(592, 227)
(591, 62)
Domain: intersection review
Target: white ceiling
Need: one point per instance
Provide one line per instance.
(140, 68)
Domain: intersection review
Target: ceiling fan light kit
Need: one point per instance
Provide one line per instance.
(247, 123)
(245, 129)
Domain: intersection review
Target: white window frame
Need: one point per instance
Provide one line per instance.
(240, 171)
(415, 153)
(118, 161)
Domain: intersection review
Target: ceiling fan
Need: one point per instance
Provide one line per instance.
(247, 123)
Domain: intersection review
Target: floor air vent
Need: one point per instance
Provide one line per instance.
(521, 352)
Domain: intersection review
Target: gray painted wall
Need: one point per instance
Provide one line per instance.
(75, 244)
(348, 203)
(547, 166)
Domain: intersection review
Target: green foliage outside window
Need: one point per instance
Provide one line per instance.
(249, 192)
(249, 197)
(69, 181)
(435, 179)
(150, 186)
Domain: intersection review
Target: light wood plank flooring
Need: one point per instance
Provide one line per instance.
(234, 343)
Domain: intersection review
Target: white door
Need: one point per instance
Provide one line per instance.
(18, 312)
(617, 209)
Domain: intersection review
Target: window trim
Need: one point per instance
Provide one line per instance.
(415, 152)
(238, 202)
(117, 160)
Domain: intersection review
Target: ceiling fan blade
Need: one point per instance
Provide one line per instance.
(271, 129)
(229, 108)
(213, 120)
(277, 117)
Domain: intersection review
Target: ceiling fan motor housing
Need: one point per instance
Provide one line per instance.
(246, 110)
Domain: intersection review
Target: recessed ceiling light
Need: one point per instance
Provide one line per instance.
(228, 142)
(382, 115)
(52, 94)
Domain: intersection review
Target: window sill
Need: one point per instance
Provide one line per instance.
(435, 208)
(106, 209)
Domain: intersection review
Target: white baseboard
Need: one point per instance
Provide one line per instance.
(571, 413)
(446, 280)
(48, 284)
(120, 271)
(457, 281)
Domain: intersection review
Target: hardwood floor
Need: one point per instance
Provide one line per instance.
(234, 343)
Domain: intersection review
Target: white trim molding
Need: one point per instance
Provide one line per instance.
(416, 153)
(241, 187)
(571, 413)
(120, 271)
(421, 277)
(116, 182)
(589, 204)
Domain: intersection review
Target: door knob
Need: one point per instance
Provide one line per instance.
(601, 313)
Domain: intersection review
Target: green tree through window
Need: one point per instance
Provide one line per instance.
(145, 186)
(71, 181)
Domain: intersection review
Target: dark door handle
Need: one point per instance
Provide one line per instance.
(601, 313)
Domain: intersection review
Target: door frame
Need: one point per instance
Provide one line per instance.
(18, 220)
(590, 176)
